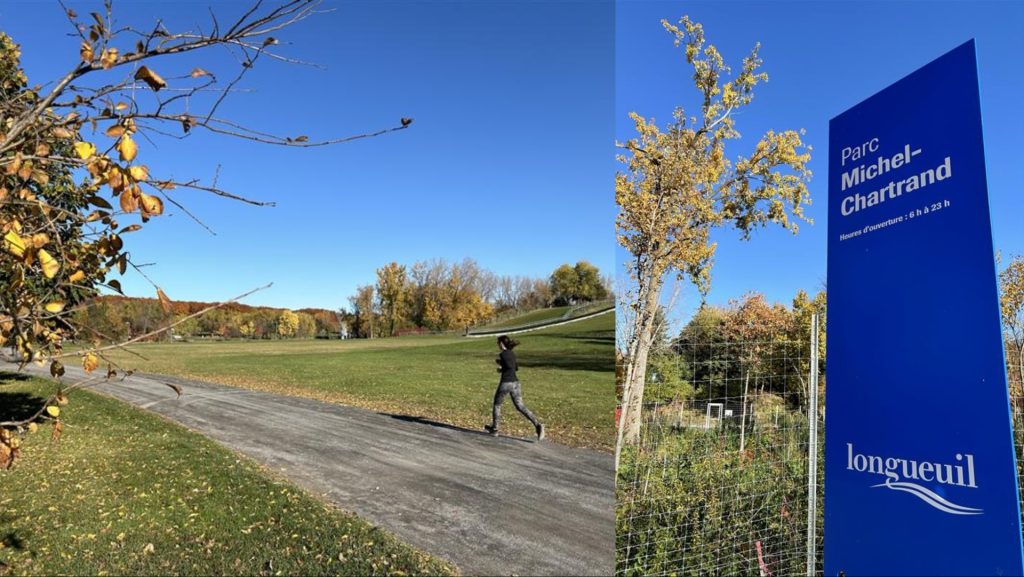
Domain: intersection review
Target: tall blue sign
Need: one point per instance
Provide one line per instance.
(920, 472)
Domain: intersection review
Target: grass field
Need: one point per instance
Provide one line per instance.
(536, 316)
(567, 374)
(125, 492)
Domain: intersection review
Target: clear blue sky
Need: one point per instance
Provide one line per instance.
(822, 58)
(507, 161)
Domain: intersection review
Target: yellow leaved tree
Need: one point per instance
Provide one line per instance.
(678, 185)
(287, 324)
(1011, 301)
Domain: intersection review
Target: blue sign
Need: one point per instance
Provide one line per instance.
(920, 472)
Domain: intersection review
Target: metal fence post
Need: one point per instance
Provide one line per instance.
(812, 454)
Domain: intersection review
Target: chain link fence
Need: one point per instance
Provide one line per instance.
(730, 480)
(718, 484)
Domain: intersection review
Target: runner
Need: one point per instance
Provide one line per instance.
(509, 385)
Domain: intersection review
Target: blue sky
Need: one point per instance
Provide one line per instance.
(822, 58)
(507, 161)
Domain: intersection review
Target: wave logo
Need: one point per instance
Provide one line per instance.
(899, 471)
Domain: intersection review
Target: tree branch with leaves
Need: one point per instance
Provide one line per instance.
(74, 182)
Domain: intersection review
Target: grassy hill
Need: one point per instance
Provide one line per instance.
(535, 316)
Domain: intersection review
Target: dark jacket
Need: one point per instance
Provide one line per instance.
(508, 366)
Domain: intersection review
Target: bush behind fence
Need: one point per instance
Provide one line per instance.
(718, 484)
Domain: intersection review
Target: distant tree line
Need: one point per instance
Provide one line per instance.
(428, 296)
(437, 295)
(116, 318)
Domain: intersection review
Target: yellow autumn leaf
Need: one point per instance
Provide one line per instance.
(129, 203)
(53, 411)
(89, 362)
(77, 276)
(54, 307)
(115, 131)
(32, 427)
(108, 58)
(49, 264)
(14, 243)
(139, 172)
(85, 149)
(151, 78)
(86, 52)
(151, 205)
(127, 147)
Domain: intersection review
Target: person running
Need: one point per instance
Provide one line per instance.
(509, 385)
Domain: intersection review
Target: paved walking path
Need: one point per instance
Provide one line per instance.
(491, 506)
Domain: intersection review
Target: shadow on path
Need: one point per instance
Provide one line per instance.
(426, 421)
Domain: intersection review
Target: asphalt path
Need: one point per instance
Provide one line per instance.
(492, 506)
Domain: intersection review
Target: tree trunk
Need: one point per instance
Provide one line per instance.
(743, 419)
(1020, 365)
(636, 363)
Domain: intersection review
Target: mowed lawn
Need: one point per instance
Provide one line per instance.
(567, 374)
(125, 492)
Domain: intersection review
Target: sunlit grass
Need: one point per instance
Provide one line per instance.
(536, 316)
(567, 374)
(125, 492)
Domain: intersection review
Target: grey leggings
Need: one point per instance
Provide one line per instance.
(513, 389)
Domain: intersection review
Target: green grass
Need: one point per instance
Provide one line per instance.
(567, 374)
(125, 492)
(535, 316)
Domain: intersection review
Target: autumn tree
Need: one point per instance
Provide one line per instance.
(247, 329)
(590, 286)
(1011, 306)
(563, 284)
(364, 311)
(678, 185)
(287, 324)
(522, 293)
(444, 295)
(537, 295)
(454, 300)
(79, 170)
(758, 328)
(582, 282)
(392, 293)
(422, 276)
